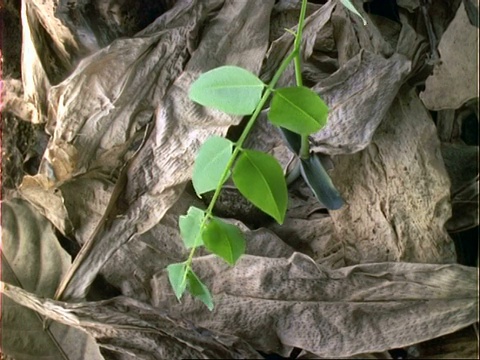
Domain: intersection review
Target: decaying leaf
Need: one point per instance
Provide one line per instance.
(453, 82)
(400, 192)
(281, 303)
(124, 139)
(128, 329)
(33, 259)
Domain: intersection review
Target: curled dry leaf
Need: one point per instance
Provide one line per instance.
(126, 130)
(452, 84)
(281, 303)
(158, 65)
(129, 329)
(33, 259)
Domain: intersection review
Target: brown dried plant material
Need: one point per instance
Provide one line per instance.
(398, 198)
(455, 79)
(129, 329)
(124, 139)
(279, 303)
(33, 259)
(127, 85)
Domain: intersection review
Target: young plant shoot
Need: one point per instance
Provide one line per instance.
(298, 111)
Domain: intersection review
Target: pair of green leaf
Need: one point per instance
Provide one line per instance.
(257, 175)
(181, 276)
(237, 91)
(222, 239)
(298, 109)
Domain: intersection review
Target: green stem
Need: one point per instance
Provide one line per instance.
(298, 43)
(239, 144)
(293, 56)
(305, 144)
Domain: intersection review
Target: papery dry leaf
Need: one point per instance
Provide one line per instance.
(359, 96)
(49, 50)
(128, 329)
(33, 259)
(157, 175)
(398, 200)
(283, 303)
(454, 80)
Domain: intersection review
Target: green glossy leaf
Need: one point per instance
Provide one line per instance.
(259, 177)
(320, 183)
(230, 89)
(348, 4)
(199, 290)
(210, 163)
(177, 278)
(224, 240)
(293, 140)
(298, 109)
(190, 227)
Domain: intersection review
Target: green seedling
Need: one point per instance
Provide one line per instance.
(297, 111)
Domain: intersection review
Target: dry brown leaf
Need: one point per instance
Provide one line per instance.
(454, 80)
(32, 258)
(157, 175)
(128, 329)
(278, 303)
(398, 200)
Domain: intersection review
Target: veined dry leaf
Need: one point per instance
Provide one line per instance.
(453, 83)
(159, 172)
(398, 201)
(33, 259)
(281, 303)
(129, 329)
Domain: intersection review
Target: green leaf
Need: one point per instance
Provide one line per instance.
(224, 240)
(177, 277)
(259, 177)
(298, 109)
(230, 89)
(190, 227)
(210, 163)
(199, 290)
(348, 4)
(320, 183)
(293, 140)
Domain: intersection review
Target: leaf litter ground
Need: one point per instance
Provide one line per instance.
(114, 177)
